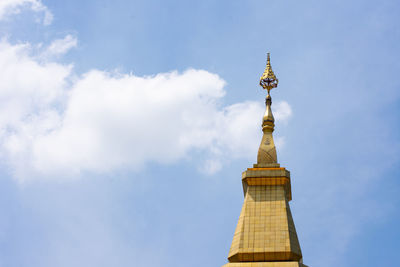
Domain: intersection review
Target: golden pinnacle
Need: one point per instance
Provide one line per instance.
(268, 80)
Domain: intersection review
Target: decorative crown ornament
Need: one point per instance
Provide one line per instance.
(268, 80)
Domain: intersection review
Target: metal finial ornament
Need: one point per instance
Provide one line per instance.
(267, 151)
(268, 80)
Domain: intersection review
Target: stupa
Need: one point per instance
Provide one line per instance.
(265, 235)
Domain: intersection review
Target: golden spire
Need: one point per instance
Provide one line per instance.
(265, 235)
(267, 150)
(268, 80)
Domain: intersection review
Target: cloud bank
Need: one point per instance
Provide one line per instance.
(12, 7)
(54, 122)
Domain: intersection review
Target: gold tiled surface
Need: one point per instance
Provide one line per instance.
(266, 172)
(265, 264)
(266, 165)
(269, 181)
(265, 231)
(267, 176)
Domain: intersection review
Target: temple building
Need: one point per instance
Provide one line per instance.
(265, 235)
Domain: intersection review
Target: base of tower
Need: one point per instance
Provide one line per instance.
(266, 264)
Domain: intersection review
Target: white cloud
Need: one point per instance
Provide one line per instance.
(11, 7)
(283, 111)
(27, 87)
(61, 46)
(54, 123)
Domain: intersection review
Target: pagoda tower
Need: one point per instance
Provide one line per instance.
(265, 235)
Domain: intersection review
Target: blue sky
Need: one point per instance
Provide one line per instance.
(125, 126)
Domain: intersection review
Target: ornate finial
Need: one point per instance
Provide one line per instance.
(267, 151)
(268, 80)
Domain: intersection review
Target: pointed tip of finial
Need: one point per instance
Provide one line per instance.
(268, 80)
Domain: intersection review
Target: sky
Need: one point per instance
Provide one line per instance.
(125, 127)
